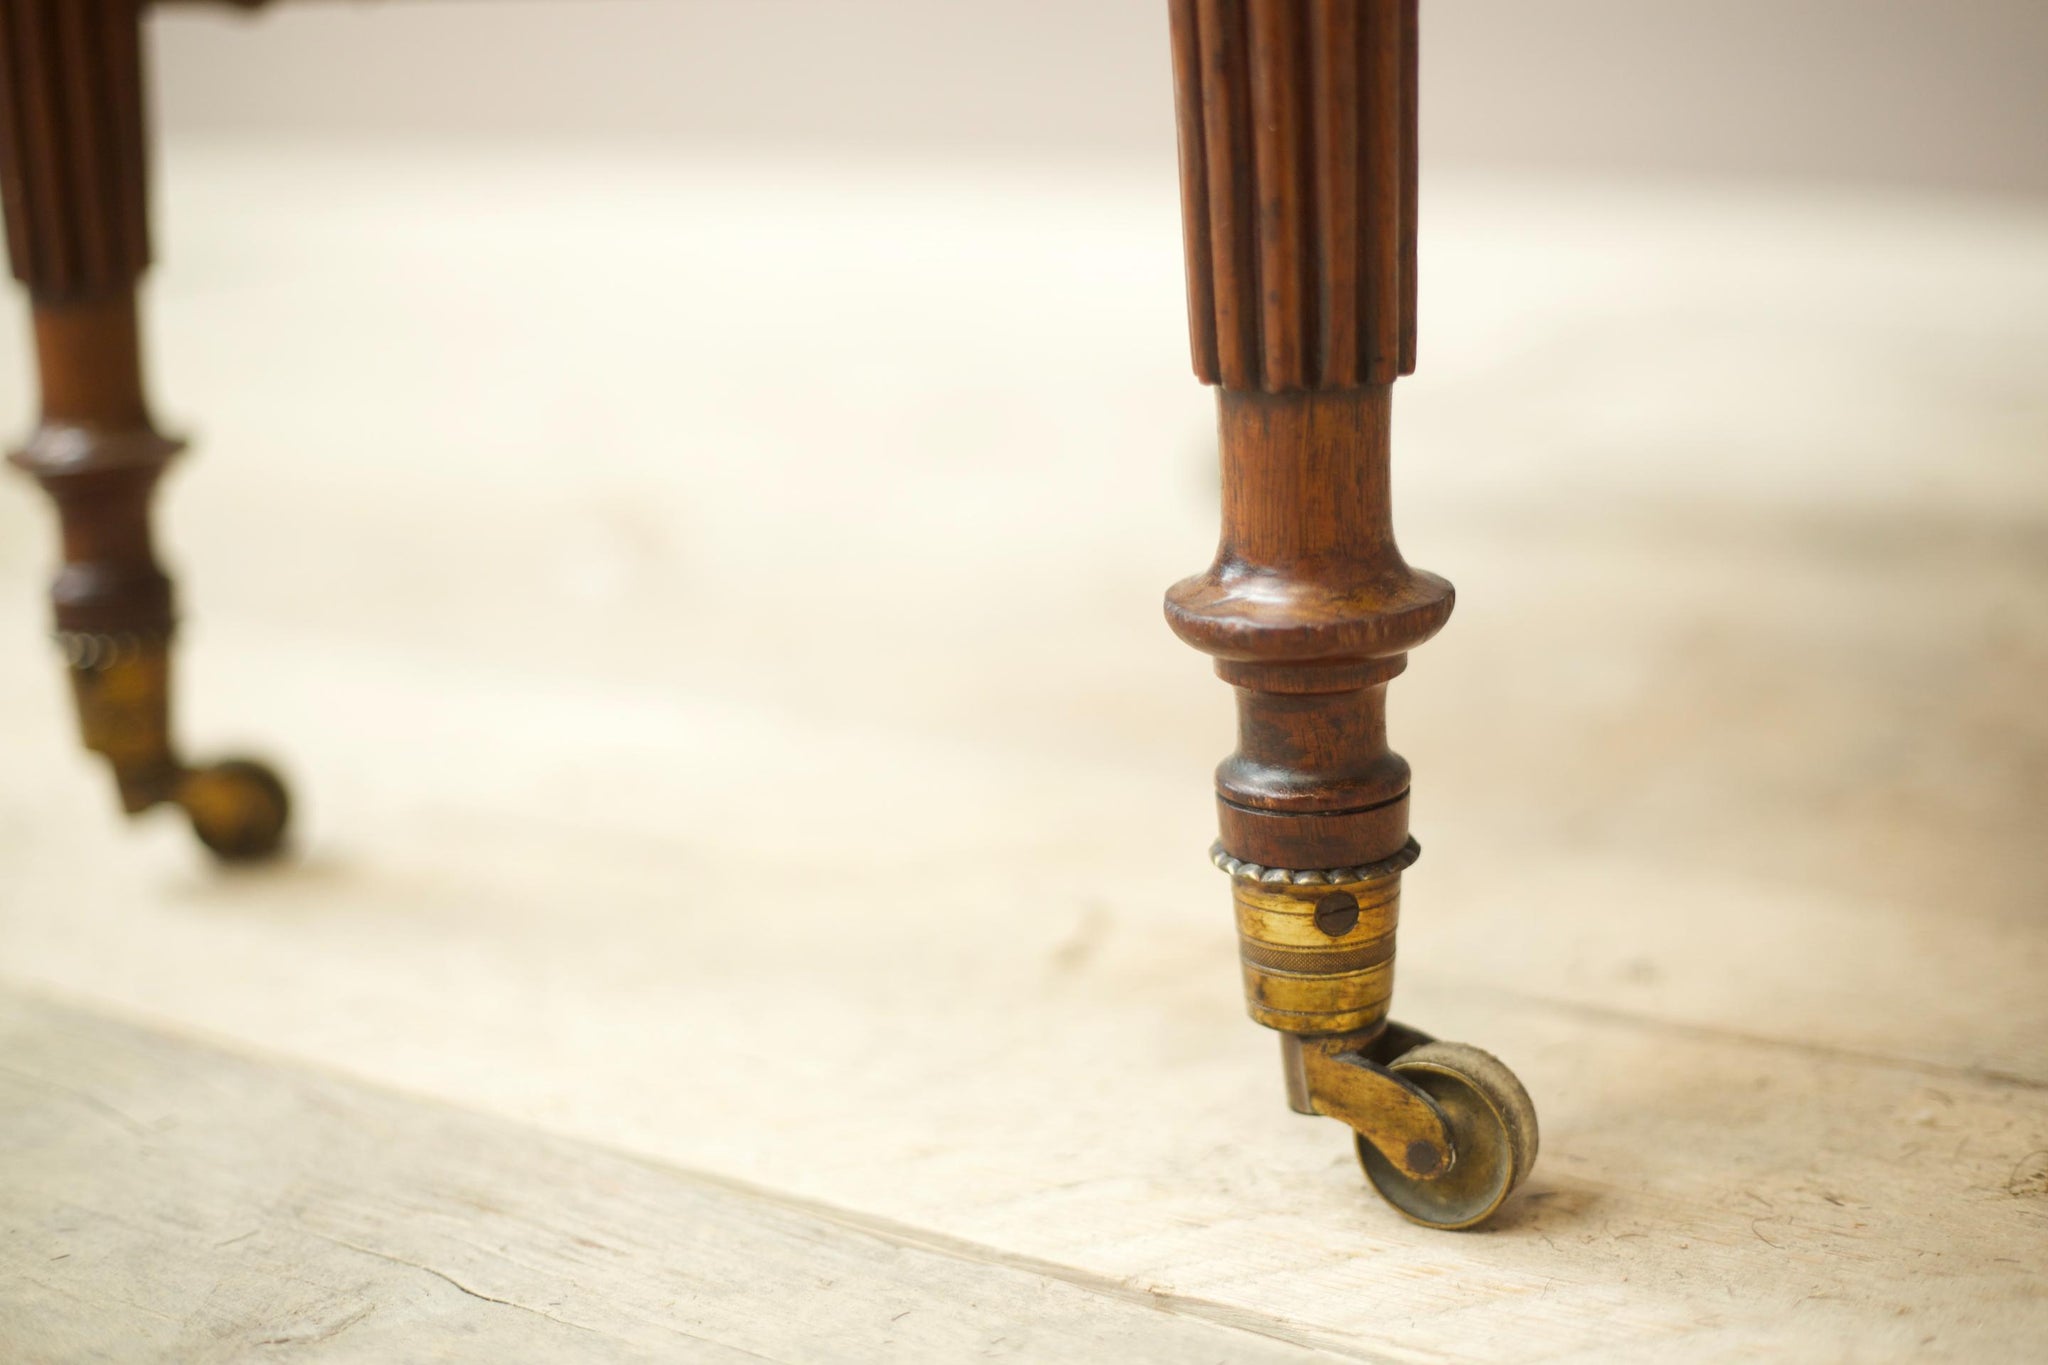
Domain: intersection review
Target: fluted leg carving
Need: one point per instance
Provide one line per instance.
(73, 180)
(1297, 123)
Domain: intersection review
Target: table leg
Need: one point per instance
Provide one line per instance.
(73, 159)
(1297, 158)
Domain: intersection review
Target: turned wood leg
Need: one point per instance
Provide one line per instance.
(1297, 161)
(72, 176)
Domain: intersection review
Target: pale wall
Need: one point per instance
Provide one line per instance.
(1907, 92)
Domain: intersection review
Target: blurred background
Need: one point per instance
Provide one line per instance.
(685, 486)
(1859, 91)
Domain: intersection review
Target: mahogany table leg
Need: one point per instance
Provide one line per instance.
(72, 178)
(1297, 159)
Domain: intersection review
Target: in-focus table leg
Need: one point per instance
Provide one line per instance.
(1297, 159)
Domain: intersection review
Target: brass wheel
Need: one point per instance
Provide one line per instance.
(239, 809)
(1493, 1137)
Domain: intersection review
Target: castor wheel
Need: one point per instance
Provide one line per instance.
(1445, 1131)
(1493, 1137)
(239, 809)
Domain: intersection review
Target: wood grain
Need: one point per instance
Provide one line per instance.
(1297, 154)
(168, 1198)
(1309, 609)
(1298, 190)
(72, 154)
(1733, 801)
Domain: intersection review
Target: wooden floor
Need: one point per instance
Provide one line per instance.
(752, 899)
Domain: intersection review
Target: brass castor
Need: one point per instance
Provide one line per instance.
(239, 808)
(1445, 1132)
(1493, 1136)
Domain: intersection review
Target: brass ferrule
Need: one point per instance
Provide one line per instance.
(1318, 948)
(121, 684)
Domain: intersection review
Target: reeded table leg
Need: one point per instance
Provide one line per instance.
(72, 175)
(1297, 159)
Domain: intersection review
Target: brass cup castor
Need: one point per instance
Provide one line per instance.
(239, 808)
(1444, 1131)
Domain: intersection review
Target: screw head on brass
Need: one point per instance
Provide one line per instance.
(1424, 1157)
(1337, 913)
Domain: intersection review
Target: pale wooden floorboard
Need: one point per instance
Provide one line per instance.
(673, 786)
(164, 1198)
